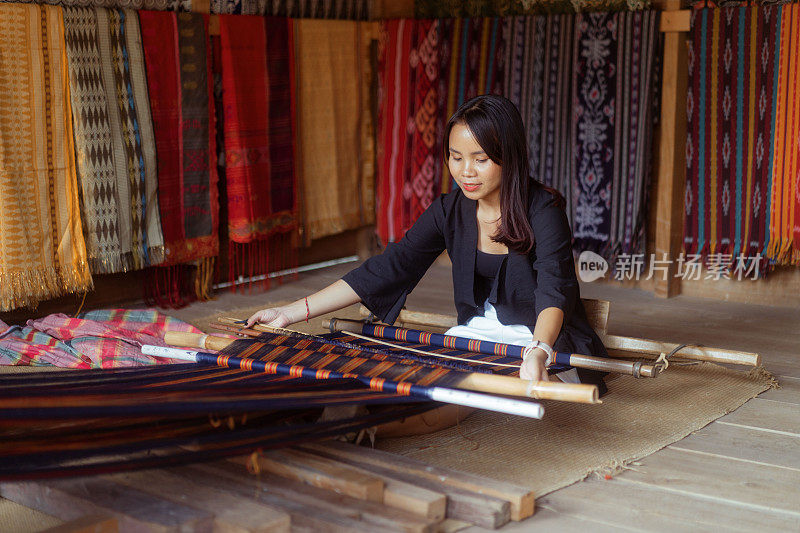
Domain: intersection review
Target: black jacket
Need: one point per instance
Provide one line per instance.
(525, 285)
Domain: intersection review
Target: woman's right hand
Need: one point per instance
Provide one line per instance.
(278, 317)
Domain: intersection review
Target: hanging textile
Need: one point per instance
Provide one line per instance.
(334, 134)
(313, 9)
(178, 59)
(472, 63)
(114, 139)
(783, 245)
(105, 338)
(742, 154)
(505, 8)
(160, 5)
(613, 118)
(41, 236)
(257, 80)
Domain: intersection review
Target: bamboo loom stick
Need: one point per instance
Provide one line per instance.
(437, 394)
(603, 364)
(489, 383)
(635, 347)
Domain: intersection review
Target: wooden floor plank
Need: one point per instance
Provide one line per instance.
(718, 479)
(231, 513)
(746, 444)
(134, 509)
(546, 520)
(653, 509)
(789, 391)
(769, 415)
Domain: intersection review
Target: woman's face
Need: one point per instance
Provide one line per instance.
(477, 175)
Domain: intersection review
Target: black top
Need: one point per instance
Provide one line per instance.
(525, 284)
(486, 267)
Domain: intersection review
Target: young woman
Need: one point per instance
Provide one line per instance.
(509, 241)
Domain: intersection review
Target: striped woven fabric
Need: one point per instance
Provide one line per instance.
(743, 147)
(42, 249)
(783, 244)
(176, 49)
(114, 139)
(98, 421)
(161, 5)
(257, 68)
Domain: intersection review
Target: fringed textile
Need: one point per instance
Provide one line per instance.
(258, 79)
(176, 48)
(43, 253)
(743, 149)
(114, 139)
(109, 338)
(334, 136)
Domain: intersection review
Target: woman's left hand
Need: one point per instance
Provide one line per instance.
(533, 367)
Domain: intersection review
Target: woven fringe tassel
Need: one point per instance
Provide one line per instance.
(166, 287)
(261, 257)
(204, 279)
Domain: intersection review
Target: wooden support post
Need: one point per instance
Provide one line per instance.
(671, 172)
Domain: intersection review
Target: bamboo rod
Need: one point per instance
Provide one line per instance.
(635, 347)
(603, 364)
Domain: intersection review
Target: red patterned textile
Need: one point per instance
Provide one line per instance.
(258, 108)
(181, 100)
(409, 124)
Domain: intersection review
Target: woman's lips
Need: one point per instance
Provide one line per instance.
(471, 187)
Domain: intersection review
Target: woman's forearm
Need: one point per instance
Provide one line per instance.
(335, 296)
(548, 325)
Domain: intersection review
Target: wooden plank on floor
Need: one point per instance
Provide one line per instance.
(300, 499)
(87, 524)
(468, 506)
(744, 444)
(134, 509)
(717, 479)
(521, 499)
(411, 498)
(547, 520)
(320, 472)
(768, 415)
(315, 515)
(231, 513)
(789, 391)
(652, 509)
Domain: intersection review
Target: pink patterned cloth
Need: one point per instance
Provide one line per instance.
(98, 339)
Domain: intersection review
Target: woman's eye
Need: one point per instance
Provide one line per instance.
(454, 158)
(481, 160)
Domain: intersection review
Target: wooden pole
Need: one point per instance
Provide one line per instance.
(671, 172)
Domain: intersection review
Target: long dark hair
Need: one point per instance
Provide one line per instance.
(497, 126)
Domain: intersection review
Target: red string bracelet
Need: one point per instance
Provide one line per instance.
(308, 311)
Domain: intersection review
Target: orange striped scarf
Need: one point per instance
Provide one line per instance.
(42, 249)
